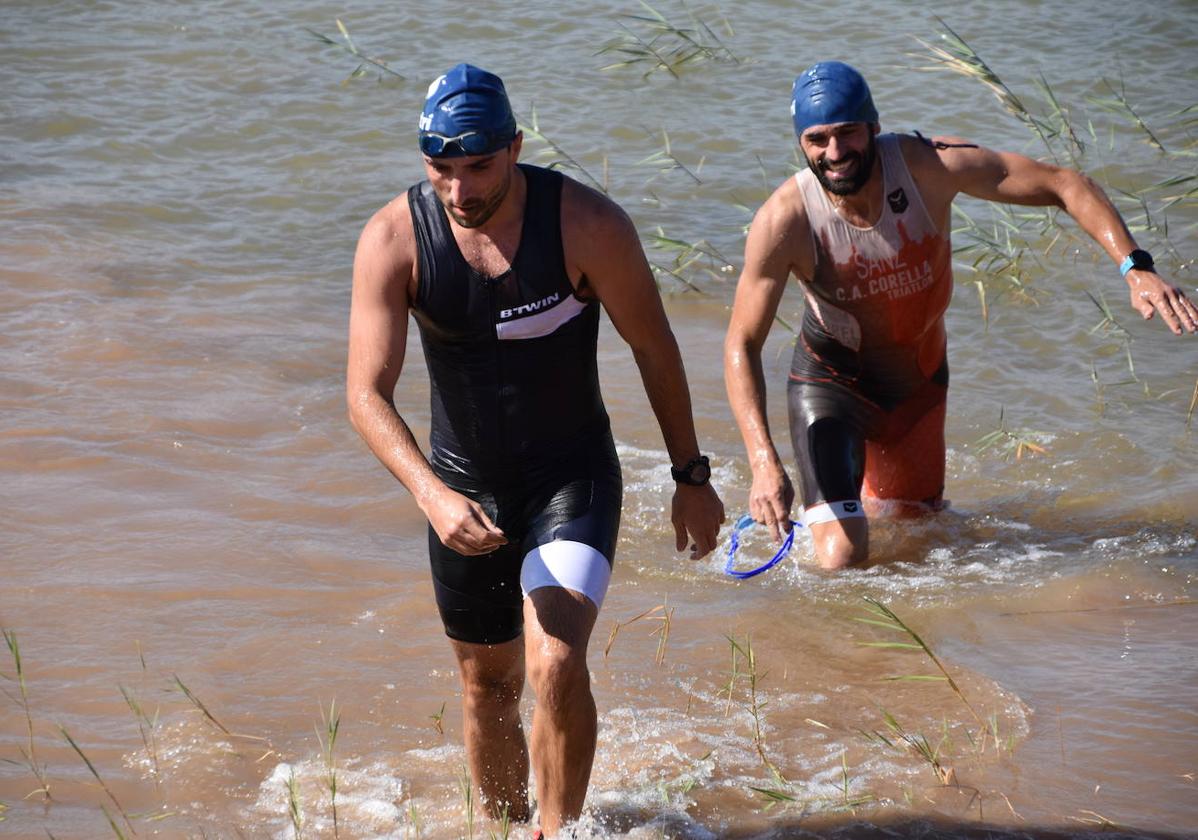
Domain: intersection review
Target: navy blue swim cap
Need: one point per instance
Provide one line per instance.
(466, 112)
(830, 92)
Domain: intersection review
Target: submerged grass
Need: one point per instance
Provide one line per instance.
(29, 751)
(147, 727)
(1012, 443)
(96, 773)
(754, 703)
(662, 613)
(295, 805)
(331, 725)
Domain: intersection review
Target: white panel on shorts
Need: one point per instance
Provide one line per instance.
(568, 564)
(829, 511)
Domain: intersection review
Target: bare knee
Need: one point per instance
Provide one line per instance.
(559, 676)
(482, 691)
(841, 543)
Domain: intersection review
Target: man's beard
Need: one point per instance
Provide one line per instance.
(481, 210)
(849, 186)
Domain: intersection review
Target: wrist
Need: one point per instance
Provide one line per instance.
(695, 473)
(1137, 260)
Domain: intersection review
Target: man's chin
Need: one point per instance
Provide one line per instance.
(842, 186)
(469, 220)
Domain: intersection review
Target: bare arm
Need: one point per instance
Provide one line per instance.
(1015, 179)
(602, 248)
(774, 247)
(378, 331)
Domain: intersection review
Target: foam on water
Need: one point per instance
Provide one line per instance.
(957, 553)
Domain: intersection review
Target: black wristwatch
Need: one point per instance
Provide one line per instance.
(696, 473)
(1139, 260)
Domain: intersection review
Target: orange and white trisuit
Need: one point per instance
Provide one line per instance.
(869, 377)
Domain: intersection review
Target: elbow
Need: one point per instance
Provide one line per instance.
(357, 406)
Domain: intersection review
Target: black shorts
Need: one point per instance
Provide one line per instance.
(576, 497)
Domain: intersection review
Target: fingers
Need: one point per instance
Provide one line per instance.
(774, 513)
(1176, 310)
(462, 525)
(1187, 312)
(697, 514)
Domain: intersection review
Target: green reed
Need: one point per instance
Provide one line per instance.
(665, 160)
(413, 820)
(211, 718)
(147, 727)
(438, 719)
(754, 703)
(347, 45)
(96, 773)
(554, 156)
(28, 752)
(886, 618)
(331, 725)
(1116, 102)
(295, 805)
(466, 789)
(1012, 443)
(955, 54)
(663, 614)
(652, 40)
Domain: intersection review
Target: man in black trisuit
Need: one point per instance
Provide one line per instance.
(504, 267)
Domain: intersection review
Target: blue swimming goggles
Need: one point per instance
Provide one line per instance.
(466, 143)
(745, 522)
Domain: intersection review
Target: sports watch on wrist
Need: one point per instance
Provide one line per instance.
(1138, 259)
(696, 473)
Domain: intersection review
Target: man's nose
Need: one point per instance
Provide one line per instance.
(460, 190)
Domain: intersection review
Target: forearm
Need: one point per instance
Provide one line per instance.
(1088, 204)
(745, 381)
(664, 378)
(392, 442)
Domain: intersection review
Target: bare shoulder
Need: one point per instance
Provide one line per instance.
(783, 213)
(779, 240)
(591, 219)
(387, 246)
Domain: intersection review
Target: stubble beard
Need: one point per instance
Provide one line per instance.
(482, 210)
(851, 186)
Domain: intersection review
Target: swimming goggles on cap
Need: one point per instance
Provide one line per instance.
(466, 143)
(745, 522)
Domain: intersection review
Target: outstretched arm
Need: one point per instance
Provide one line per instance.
(1015, 179)
(378, 331)
(769, 254)
(602, 246)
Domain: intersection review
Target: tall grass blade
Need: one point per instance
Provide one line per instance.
(96, 774)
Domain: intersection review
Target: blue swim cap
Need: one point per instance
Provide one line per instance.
(830, 92)
(466, 112)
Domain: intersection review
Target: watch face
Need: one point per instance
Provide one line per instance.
(700, 472)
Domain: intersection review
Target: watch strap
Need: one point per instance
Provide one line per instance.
(1138, 259)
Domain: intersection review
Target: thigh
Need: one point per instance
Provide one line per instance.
(571, 539)
(479, 597)
(828, 425)
(910, 466)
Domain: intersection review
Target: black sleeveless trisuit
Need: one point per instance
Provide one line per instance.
(518, 423)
